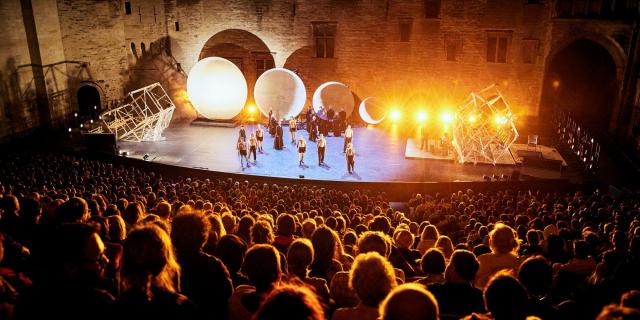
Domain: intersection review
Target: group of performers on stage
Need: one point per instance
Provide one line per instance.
(316, 126)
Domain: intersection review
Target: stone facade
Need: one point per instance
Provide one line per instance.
(398, 50)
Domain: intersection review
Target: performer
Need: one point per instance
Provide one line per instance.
(272, 125)
(350, 158)
(313, 128)
(278, 143)
(292, 129)
(253, 142)
(424, 138)
(242, 150)
(322, 144)
(243, 133)
(348, 137)
(260, 137)
(302, 148)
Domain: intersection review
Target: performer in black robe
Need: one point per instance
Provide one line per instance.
(278, 142)
(272, 126)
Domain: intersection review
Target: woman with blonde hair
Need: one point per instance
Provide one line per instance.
(504, 245)
(151, 277)
(428, 238)
(445, 245)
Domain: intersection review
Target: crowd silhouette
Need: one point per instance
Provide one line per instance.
(83, 238)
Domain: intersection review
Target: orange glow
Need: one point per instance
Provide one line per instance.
(555, 84)
(421, 116)
(251, 109)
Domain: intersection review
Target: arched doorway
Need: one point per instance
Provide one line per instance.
(88, 101)
(243, 48)
(581, 79)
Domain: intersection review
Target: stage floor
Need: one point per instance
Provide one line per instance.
(380, 157)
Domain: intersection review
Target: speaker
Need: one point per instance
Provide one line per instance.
(101, 142)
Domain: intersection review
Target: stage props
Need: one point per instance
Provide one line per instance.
(333, 96)
(145, 114)
(371, 110)
(217, 88)
(282, 91)
(484, 128)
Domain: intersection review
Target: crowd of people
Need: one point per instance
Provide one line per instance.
(84, 238)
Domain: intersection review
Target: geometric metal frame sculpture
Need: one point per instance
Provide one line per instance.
(145, 115)
(484, 127)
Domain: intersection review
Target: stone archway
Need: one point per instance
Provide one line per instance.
(243, 48)
(89, 105)
(583, 77)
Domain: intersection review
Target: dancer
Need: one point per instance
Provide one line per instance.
(350, 158)
(348, 137)
(259, 137)
(277, 141)
(302, 148)
(292, 129)
(242, 150)
(322, 144)
(253, 142)
(243, 133)
(272, 124)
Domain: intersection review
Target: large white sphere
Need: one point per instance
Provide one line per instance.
(333, 95)
(371, 110)
(217, 88)
(280, 90)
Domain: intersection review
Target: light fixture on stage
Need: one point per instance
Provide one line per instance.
(446, 117)
(472, 118)
(395, 115)
(217, 88)
(251, 109)
(281, 91)
(145, 157)
(421, 116)
(69, 129)
(500, 120)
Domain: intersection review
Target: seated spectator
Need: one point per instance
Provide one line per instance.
(408, 302)
(286, 228)
(504, 246)
(403, 240)
(372, 278)
(204, 278)
(262, 267)
(456, 296)
(290, 302)
(75, 287)
(445, 245)
(326, 260)
(308, 227)
(428, 238)
(299, 258)
(536, 276)
(432, 265)
(615, 312)
(532, 247)
(231, 250)
(505, 298)
(582, 264)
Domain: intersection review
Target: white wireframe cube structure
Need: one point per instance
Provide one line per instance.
(145, 115)
(484, 127)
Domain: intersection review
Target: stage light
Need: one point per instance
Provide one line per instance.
(216, 88)
(75, 114)
(251, 109)
(472, 119)
(91, 120)
(421, 116)
(81, 125)
(281, 91)
(555, 84)
(446, 117)
(69, 129)
(395, 115)
(500, 120)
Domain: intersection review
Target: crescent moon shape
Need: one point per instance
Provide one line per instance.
(364, 114)
(336, 94)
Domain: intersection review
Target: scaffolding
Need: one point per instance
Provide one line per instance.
(144, 116)
(484, 127)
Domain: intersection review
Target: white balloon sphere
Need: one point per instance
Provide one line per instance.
(333, 95)
(371, 111)
(217, 88)
(280, 90)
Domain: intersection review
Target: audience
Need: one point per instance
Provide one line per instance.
(86, 238)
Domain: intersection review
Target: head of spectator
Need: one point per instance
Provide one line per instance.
(403, 239)
(30, 211)
(286, 225)
(536, 276)
(244, 227)
(163, 210)
(372, 278)
(262, 266)
(616, 312)
(148, 261)
(433, 262)
(299, 257)
(505, 297)
(503, 240)
(75, 210)
(80, 253)
(189, 232)
(374, 241)
(231, 250)
(290, 302)
(117, 229)
(462, 268)
(409, 301)
(445, 245)
(308, 227)
(133, 213)
(261, 233)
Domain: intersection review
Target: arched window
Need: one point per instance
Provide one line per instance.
(143, 48)
(133, 50)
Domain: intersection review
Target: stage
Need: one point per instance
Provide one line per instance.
(380, 157)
